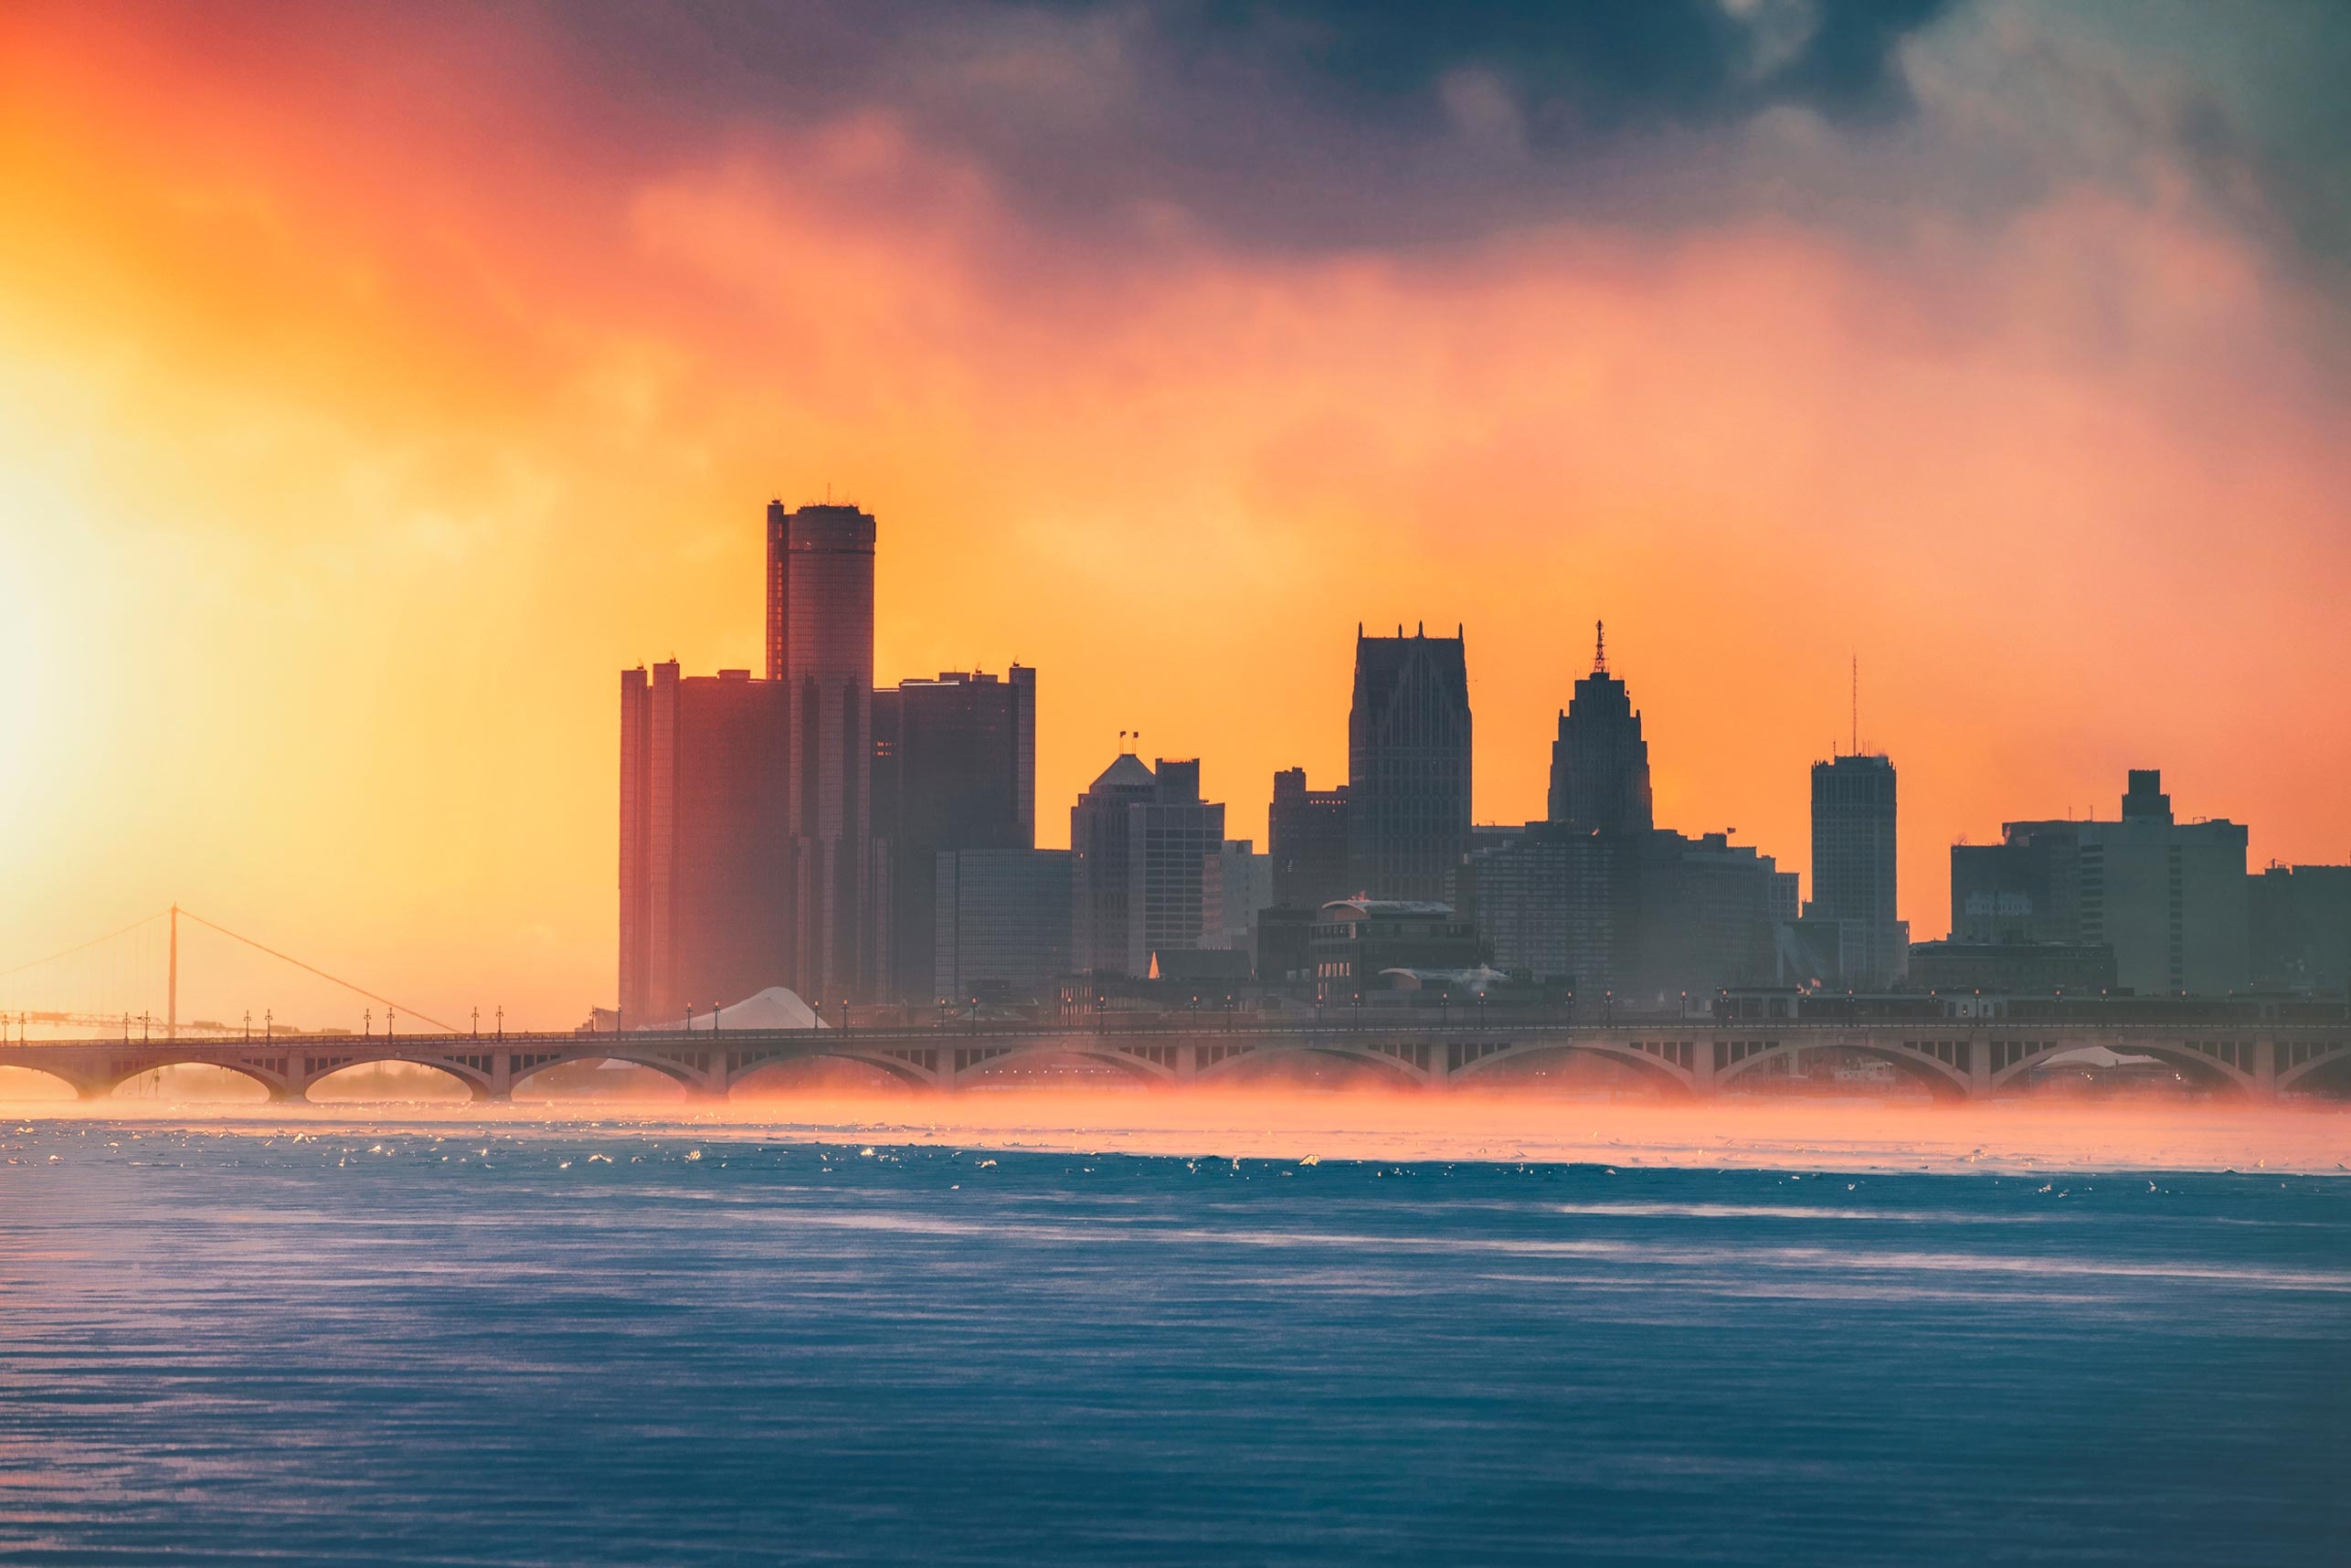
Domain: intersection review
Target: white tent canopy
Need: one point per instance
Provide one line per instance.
(774, 1008)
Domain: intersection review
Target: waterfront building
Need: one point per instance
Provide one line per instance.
(1600, 763)
(954, 769)
(1243, 889)
(1709, 917)
(1853, 868)
(1408, 764)
(1555, 903)
(2170, 897)
(1305, 840)
(2013, 969)
(820, 641)
(1000, 924)
(1145, 856)
(2300, 923)
(705, 849)
(1355, 941)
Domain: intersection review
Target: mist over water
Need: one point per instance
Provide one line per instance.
(430, 1337)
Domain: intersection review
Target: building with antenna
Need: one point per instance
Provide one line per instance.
(1600, 763)
(1145, 867)
(1854, 876)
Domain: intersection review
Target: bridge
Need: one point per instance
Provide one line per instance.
(1952, 1059)
(2240, 1046)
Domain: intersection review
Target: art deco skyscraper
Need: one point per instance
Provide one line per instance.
(1600, 764)
(1407, 764)
(820, 648)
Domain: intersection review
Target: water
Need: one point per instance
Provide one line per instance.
(224, 1346)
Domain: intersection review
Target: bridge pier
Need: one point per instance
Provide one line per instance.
(1440, 1062)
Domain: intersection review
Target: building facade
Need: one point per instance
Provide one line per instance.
(1244, 888)
(1554, 904)
(1000, 924)
(706, 918)
(954, 769)
(2300, 922)
(2013, 969)
(1145, 869)
(1355, 941)
(1707, 918)
(820, 650)
(1408, 764)
(2170, 897)
(1853, 868)
(1600, 763)
(1305, 840)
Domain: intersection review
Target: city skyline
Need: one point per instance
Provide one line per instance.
(339, 451)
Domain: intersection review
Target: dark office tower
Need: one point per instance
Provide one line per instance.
(1407, 764)
(1145, 867)
(954, 769)
(820, 649)
(1600, 764)
(1853, 868)
(1099, 850)
(1306, 835)
(704, 850)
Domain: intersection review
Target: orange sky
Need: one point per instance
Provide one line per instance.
(369, 397)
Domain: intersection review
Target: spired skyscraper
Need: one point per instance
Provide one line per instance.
(1408, 764)
(820, 650)
(1600, 764)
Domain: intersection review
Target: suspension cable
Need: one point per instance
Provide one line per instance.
(94, 941)
(321, 974)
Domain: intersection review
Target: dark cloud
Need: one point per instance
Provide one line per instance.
(1377, 123)
(1295, 122)
(1575, 69)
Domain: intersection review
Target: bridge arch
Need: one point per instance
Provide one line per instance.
(75, 1088)
(652, 1061)
(273, 1088)
(1377, 1063)
(779, 1070)
(1151, 1064)
(2194, 1066)
(474, 1086)
(2325, 1070)
(1944, 1080)
(1640, 1065)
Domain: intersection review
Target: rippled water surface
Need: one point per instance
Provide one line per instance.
(601, 1345)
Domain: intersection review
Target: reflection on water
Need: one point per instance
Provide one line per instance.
(501, 1342)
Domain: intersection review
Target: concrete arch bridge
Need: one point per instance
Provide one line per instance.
(1953, 1059)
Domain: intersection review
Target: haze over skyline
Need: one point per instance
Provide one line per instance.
(371, 389)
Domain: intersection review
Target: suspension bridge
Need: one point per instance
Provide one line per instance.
(129, 980)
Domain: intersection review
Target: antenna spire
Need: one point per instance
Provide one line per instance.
(1599, 647)
(1857, 704)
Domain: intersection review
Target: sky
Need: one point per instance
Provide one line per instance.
(376, 383)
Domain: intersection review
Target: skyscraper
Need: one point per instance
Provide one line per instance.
(1306, 838)
(820, 650)
(1600, 764)
(1853, 845)
(706, 853)
(1146, 872)
(1408, 764)
(954, 769)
